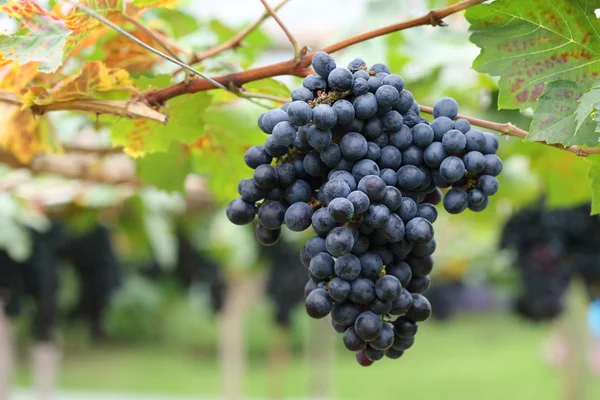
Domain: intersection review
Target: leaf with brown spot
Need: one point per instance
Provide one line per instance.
(15, 77)
(79, 20)
(41, 40)
(531, 43)
(94, 78)
(120, 53)
(555, 120)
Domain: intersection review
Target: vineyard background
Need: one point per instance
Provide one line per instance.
(167, 342)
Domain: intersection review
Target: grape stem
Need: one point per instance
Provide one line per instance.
(301, 66)
(299, 51)
(512, 130)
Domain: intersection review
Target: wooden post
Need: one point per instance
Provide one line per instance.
(320, 355)
(46, 360)
(279, 357)
(6, 354)
(575, 372)
(242, 292)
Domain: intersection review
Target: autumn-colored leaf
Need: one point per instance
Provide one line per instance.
(24, 135)
(93, 79)
(15, 77)
(121, 53)
(141, 4)
(79, 20)
(42, 39)
(531, 43)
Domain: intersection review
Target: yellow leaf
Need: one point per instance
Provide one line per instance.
(93, 79)
(121, 54)
(79, 20)
(15, 77)
(24, 135)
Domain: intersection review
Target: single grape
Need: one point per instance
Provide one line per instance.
(493, 165)
(315, 245)
(371, 265)
(462, 125)
(363, 168)
(373, 151)
(360, 201)
(420, 266)
(392, 198)
(284, 133)
(323, 64)
(475, 140)
(376, 68)
(301, 94)
(267, 237)
(298, 192)
(346, 177)
(299, 113)
(452, 169)
(365, 106)
(321, 266)
(353, 146)
(357, 65)
(409, 177)
(298, 217)
(344, 111)
(434, 154)
(420, 310)
(454, 142)
(272, 118)
(427, 211)
(339, 241)
(412, 155)
(241, 212)
(440, 126)
(314, 82)
(408, 209)
(392, 121)
(400, 270)
(362, 359)
(345, 313)
(324, 116)
(422, 135)
(491, 143)
(368, 326)
(374, 84)
(347, 267)
(273, 149)
(394, 229)
(339, 289)
(333, 189)
(313, 165)
(419, 285)
(256, 156)
(318, 138)
(419, 231)
(395, 81)
(332, 155)
(386, 95)
(401, 138)
(341, 210)
(388, 288)
(474, 162)
(360, 86)
(377, 216)
(456, 201)
(479, 207)
(390, 157)
(380, 307)
(405, 328)
(402, 304)
(402, 344)
(385, 339)
(318, 304)
(487, 184)
(340, 79)
(362, 291)
(352, 341)
(404, 102)
(266, 177)
(445, 107)
(271, 214)
(394, 354)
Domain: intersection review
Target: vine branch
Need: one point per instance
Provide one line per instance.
(300, 67)
(295, 44)
(512, 130)
(235, 41)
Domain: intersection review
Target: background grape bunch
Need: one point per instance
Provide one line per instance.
(351, 157)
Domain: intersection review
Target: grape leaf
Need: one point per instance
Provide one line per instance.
(230, 131)
(93, 79)
(176, 21)
(594, 176)
(42, 38)
(79, 20)
(165, 171)
(120, 53)
(153, 3)
(16, 77)
(186, 123)
(24, 135)
(531, 43)
(555, 120)
(588, 105)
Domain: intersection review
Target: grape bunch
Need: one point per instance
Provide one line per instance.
(352, 157)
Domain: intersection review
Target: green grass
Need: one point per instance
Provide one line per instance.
(476, 357)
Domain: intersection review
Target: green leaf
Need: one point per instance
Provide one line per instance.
(269, 86)
(178, 22)
(531, 43)
(42, 38)
(595, 181)
(165, 171)
(555, 120)
(252, 46)
(230, 130)
(587, 104)
(186, 123)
